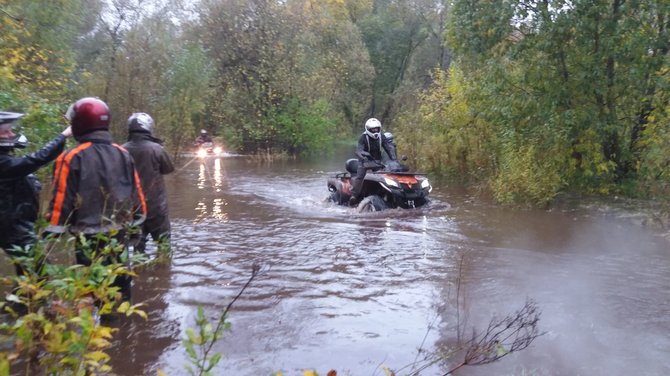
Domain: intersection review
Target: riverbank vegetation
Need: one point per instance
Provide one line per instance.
(50, 321)
(524, 99)
(551, 96)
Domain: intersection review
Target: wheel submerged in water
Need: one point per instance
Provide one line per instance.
(335, 197)
(371, 204)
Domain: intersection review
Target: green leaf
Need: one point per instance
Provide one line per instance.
(500, 350)
(214, 360)
(124, 307)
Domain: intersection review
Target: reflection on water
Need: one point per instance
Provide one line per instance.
(354, 292)
(147, 339)
(213, 181)
(218, 176)
(202, 177)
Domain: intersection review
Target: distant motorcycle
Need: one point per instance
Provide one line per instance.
(386, 185)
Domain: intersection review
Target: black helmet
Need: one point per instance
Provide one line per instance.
(140, 122)
(7, 121)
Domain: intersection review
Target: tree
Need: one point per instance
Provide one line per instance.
(186, 87)
(396, 34)
(38, 63)
(569, 86)
(269, 55)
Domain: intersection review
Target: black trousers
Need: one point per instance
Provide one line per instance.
(17, 234)
(159, 229)
(357, 181)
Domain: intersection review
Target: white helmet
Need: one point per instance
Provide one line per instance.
(373, 128)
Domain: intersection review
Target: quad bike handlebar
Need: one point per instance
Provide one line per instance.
(373, 164)
(390, 166)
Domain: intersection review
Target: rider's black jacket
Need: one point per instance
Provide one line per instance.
(96, 188)
(367, 144)
(202, 139)
(19, 193)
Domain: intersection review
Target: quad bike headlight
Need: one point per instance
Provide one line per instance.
(202, 153)
(391, 182)
(218, 150)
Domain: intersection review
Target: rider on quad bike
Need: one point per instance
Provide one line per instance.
(202, 138)
(369, 147)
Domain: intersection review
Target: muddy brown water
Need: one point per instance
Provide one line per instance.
(357, 293)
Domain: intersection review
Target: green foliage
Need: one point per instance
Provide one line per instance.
(60, 332)
(443, 135)
(186, 85)
(36, 36)
(42, 121)
(404, 42)
(589, 168)
(478, 27)
(196, 344)
(571, 91)
(526, 177)
(654, 166)
(301, 51)
(303, 129)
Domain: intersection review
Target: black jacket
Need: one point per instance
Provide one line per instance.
(202, 139)
(151, 162)
(19, 193)
(367, 144)
(96, 188)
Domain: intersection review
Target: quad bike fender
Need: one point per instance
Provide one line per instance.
(341, 185)
(340, 189)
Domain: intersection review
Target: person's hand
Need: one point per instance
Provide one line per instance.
(67, 132)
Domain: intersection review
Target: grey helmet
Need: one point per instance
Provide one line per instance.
(7, 120)
(140, 122)
(9, 117)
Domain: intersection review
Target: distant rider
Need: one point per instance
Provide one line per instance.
(369, 147)
(202, 138)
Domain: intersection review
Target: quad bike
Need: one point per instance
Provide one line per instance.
(386, 185)
(207, 148)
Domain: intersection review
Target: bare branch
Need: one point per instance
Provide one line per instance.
(502, 337)
(15, 18)
(255, 272)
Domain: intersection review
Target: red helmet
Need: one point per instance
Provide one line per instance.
(88, 115)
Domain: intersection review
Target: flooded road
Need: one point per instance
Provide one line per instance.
(357, 293)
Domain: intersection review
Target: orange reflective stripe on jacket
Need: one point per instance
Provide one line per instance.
(60, 180)
(141, 193)
(137, 182)
(59, 163)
